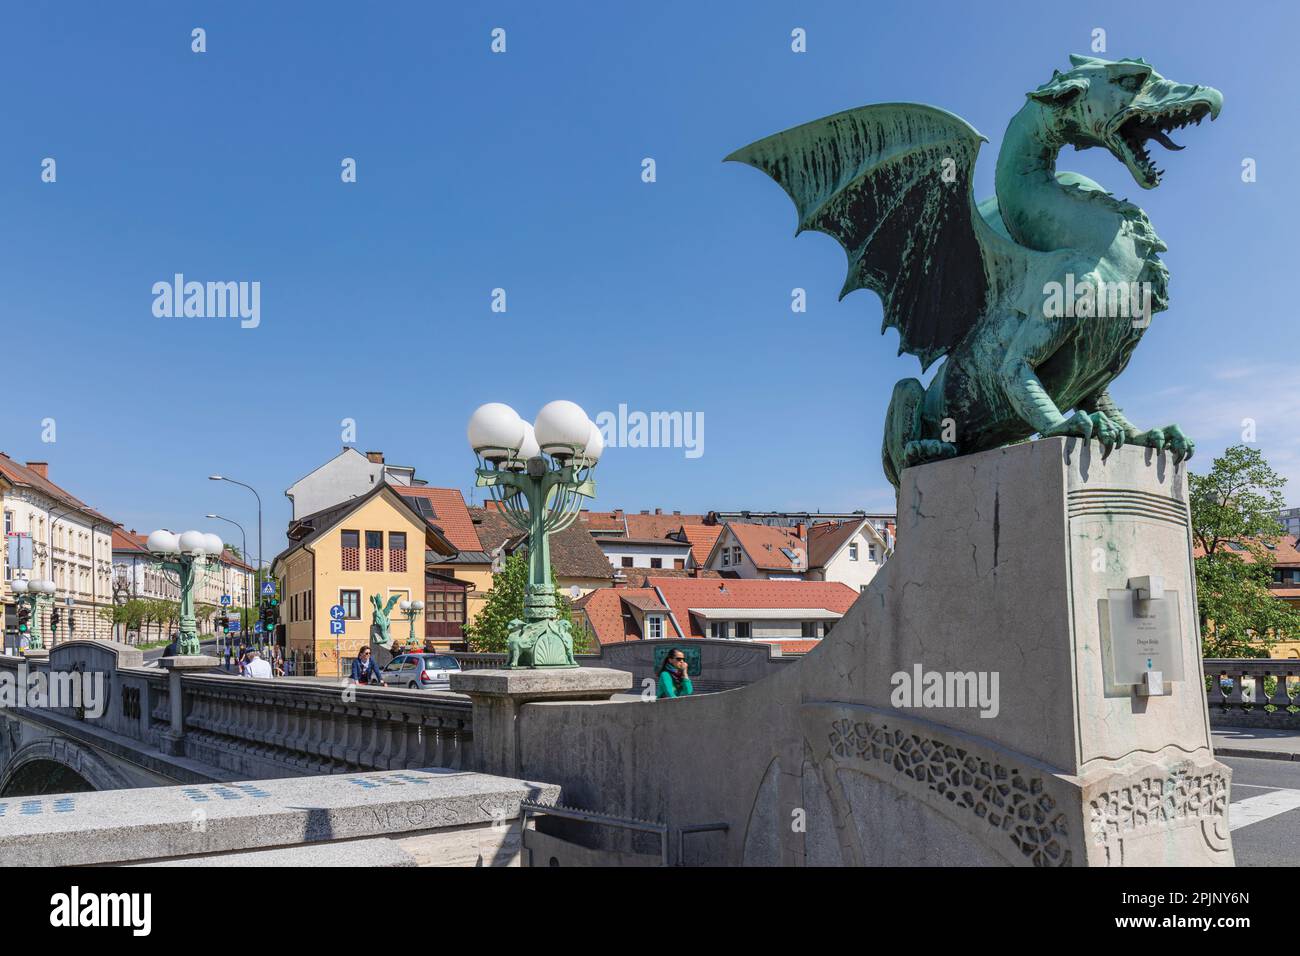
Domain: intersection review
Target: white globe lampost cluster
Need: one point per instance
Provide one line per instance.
(32, 593)
(412, 610)
(185, 555)
(539, 475)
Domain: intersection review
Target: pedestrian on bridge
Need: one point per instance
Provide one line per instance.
(364, 670)
(674, 681)
(255, 666)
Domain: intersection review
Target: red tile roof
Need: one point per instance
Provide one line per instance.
(682, 594)
(763, 544)
(451, 516)
(702, 538)
(24, 476)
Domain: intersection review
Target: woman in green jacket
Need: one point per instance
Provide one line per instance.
(673, 679)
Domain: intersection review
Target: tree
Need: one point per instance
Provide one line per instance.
(1235, 525)
(505, 602)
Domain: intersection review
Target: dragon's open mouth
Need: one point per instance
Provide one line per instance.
(1133, 133)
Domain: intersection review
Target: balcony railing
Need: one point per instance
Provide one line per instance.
(1238, 692)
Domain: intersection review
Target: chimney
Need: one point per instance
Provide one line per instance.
(41, 468)
(801, 530)
(618, 513)
(375, 456)
(659, 511)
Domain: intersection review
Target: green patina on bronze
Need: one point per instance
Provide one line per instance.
(380, 621)
(972, 282)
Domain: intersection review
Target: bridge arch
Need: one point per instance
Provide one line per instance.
(71, 761)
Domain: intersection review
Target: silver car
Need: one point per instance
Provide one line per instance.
(420, 671)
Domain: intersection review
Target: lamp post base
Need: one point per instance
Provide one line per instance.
(538, 644)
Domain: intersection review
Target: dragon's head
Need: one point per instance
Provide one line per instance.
(1120, 105)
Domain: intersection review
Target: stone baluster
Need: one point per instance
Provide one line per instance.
(1280, 697)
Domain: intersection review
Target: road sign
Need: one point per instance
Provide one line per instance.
(232, 627)
(268, 587)
(225, 600)
(19, 553)
(336, 627)
(257, 627)
(336, 612)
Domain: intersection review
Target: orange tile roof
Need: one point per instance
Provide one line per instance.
(452, 517)
(682, 594)
(1284, 552)
(658, 526)
(607, 616)
(825, 538)
(124, 540)
(702, 538)
(763, 544)
(793, 647)
(22, 475)
(603, 520)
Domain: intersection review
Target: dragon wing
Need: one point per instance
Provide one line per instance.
(892, 183)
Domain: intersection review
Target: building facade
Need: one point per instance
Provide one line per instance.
(374, 546)
(70, 543)
(349, 474)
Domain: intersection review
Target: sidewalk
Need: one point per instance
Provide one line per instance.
(1256, 742)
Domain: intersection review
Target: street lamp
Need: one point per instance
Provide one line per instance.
(257, 576)
(538, 474)
(186, 554)
(412, 610)
(30, 593)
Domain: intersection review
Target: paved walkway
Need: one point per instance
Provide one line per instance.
(1256, 742)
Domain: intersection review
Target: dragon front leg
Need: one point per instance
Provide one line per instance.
(1034, 342)
(1170, 437)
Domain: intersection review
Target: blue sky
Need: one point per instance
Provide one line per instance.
(522, 171)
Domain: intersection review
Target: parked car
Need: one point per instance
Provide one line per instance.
(420, 671)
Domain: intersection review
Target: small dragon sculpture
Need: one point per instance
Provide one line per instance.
(380, 629)
(980, 284)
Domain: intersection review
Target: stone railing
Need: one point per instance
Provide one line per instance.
(1237, 694)
(259, 727)
(256, 729)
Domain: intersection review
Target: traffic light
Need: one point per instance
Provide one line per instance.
(56, 616)
(24, 618)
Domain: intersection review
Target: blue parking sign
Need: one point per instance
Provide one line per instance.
(336, 627)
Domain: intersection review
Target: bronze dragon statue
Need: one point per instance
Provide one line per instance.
(1036, 297)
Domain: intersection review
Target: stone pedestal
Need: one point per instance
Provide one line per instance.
(172, 740)
(498, 695)
(1008, 567)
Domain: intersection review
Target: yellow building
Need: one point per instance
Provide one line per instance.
(375, 545)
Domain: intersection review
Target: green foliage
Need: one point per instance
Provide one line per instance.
(505, 603)
(1235, 513)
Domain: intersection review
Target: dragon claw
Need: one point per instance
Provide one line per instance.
(1170, 439)
(927, 449)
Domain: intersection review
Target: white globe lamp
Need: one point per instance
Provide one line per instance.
(163, 541)
(562, 428)
(495, 431)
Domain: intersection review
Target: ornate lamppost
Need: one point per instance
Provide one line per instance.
(29, 595)
(538, 475)
(411, 610)
(185, 555)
